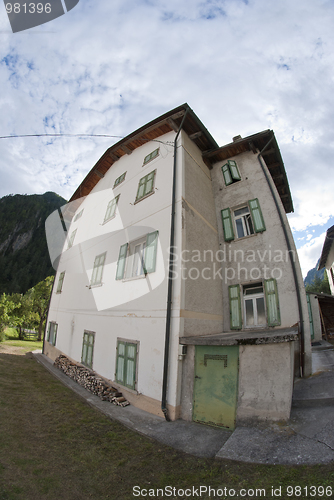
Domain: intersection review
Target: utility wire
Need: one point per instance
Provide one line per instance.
(60, 135)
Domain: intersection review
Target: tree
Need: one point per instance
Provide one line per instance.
(22, 314)
(40, 297)
(319, 285)
(6, 307)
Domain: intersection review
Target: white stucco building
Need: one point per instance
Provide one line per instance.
(217, 335)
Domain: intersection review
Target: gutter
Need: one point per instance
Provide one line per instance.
(170, 280)
(293, 265)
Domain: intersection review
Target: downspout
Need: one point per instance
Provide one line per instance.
(293, 265)
(170, 280)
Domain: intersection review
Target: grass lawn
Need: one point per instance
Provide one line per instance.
(19, 346)
(53, 445)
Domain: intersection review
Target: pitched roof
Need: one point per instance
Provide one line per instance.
(326, 247)
(202, 138)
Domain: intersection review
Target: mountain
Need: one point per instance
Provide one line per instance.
(24, 257)
(314, 273)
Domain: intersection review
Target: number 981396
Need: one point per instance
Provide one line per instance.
(28, 8)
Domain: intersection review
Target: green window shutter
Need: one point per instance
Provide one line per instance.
(98, 269)
(235, 307)
(121, 261)
(120, 365)
(258, 221)
(60, 282)
(151, 156)
(48, 333)
(55, 334)
(227, 175)
(141, 188)
(234, 170)
(151, 252)
(149, 183)
(130, 375)
(271, 293)
(111, 208)
(227, 224)
(310, 315)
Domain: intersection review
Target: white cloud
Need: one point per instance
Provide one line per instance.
(310, 252)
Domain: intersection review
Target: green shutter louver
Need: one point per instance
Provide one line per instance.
(227, 224)
(235, 307)
(121, 261)
(126, 364)
(234, 170)
(227, 175)
(310, 315)
(257, 217)
(271, 293)
(151, 252)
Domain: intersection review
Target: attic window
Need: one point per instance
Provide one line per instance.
(119, 179)
(151, 156)
(231, 172)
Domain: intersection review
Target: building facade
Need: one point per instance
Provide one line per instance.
(179, 280)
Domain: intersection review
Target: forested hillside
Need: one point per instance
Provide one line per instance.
(24, 258)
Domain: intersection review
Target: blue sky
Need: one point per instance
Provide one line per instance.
(110, 67)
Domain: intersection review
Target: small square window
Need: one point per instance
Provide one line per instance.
(111, 209)
(78, 215)
(60, 282)
(145, 186)
(71, 240)
(119, 179)
(88, 349)
(151, 156)
(231, 172)
(98, 269)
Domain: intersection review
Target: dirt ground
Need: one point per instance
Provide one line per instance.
(10, 349)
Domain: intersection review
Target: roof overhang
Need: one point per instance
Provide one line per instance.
(168, 122)
(326, 247)
(271, 155)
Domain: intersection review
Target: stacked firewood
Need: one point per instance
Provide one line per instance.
(90, 381)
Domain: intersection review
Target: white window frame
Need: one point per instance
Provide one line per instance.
(253, 297)
(248, 229)
(135, 261)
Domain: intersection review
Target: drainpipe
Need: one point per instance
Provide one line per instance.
(170, 280)
(293, 265)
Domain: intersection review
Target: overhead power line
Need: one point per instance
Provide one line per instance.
(60, 135)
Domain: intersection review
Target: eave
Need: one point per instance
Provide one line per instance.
(271, 155)
(326, 247)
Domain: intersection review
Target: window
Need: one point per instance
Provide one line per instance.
(260, 305)
(151, 156)
(60, 282)
(71, 240)
(137, 258)
(254, 310)
(119, 179)
(230, 172)
(78, 215)
(145, 186)
(247, 221)
(98, 270)
(52, 333)
(87, 349)
(111, 209)
(126, 363)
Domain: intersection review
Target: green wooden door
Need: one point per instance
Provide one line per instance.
(216, 385)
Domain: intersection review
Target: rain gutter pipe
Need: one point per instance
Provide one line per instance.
(293, 264)
(170, 280)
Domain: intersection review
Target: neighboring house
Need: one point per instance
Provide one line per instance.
(326, 302)
(217, 335)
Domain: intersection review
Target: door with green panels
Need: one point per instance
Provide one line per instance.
(216, 385)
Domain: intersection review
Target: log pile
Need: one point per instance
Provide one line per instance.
(90, 381)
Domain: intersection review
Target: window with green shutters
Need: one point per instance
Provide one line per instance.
(126, 363)
(119, 179)
(111, 209)
(60, 282)
(247, 220)
(88, 349)
(231, 172)
(271, 293)
(99, 261)
(151, 156)
(256, 313)
(52, 333)
(78, 215)
(235, 307)
(138, 258)
(145, 186)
